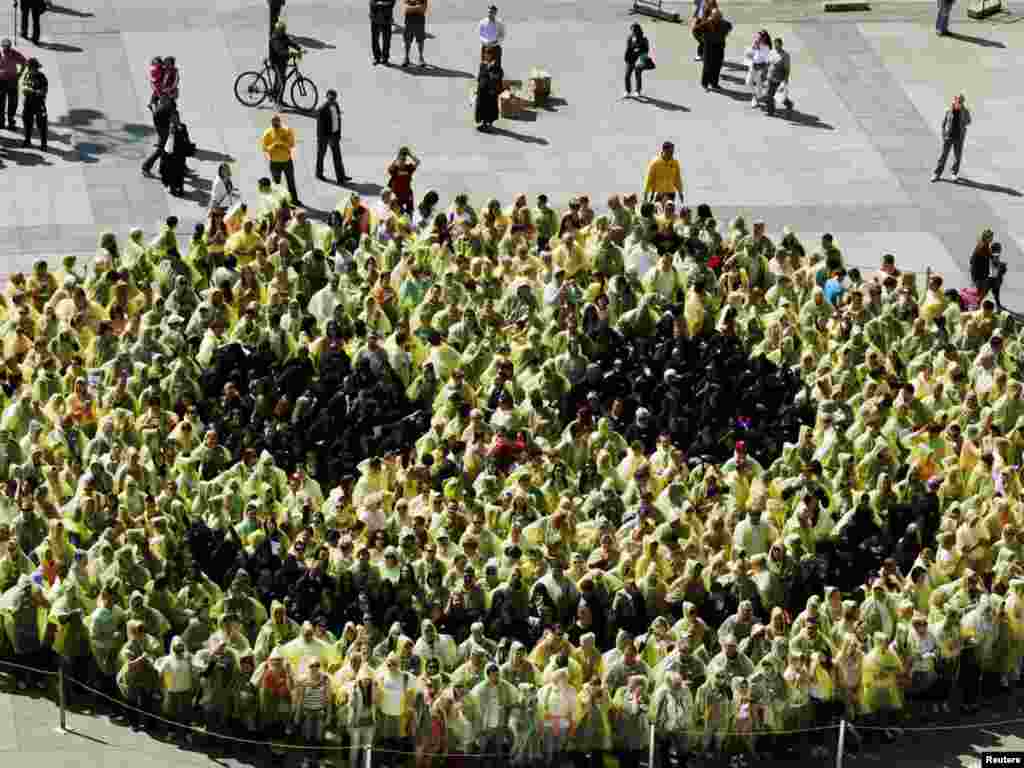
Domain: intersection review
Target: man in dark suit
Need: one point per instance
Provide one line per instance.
(33, 8)
(328, 134)
(163, 117)
(382, 16)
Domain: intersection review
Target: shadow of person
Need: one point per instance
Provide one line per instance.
(60, 47)
(735, 66)
(523, 137)
(26, 156)
(432, 71)
(313, 44)
(734, 79)
(363, 188)
(208, 155)
(984, 42)
(732, 93)
(802, 118)
(668, 106)
(982, 186)
(63, 11)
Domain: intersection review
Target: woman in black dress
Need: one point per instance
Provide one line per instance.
(172, 164)
(713, 30)
(488, 88)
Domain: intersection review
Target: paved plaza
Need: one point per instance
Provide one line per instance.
(854, 160)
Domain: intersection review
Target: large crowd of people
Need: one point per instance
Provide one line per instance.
(441, 481)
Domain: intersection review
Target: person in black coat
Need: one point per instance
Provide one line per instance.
(164, 115)
(328, 135)
(488, 88)
(172, 164)
(713, 31)
(33, 8)
(636, 46)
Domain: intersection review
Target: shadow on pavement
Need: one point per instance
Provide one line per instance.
(313, 44)
(60, 47)
(802, 118)
(208, 155)
(523, 137)
(432, 71)
(668, 106)
(363, 188)
(989, 187)
(553, 103)
(70, 12)
(982, 41)
(732, 93)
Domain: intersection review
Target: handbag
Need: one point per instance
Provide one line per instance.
(645, 63)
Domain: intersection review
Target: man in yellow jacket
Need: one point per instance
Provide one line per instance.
(664, 176)
(278, 143)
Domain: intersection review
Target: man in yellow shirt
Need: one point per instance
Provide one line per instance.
(663, 175)
(278, 143)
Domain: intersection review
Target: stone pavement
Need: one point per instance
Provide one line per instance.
(855, 160)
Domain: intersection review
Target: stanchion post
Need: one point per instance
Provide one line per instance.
(842, 743)
(369, 757)
(650, 751)
(63, 727)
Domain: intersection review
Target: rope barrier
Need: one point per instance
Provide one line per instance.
(284, 746)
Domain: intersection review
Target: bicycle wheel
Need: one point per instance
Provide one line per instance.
(251, 89)
(304, 94)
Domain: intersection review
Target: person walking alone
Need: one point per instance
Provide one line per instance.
(637, 46)
(34, 87)
(713, 30)
(954, 131)
(778, 77)
(328, 136)
(981, 264)
(492, 35)
(415, 28)
(382, 16)
(12, 64)
(664, 177)
(278, 143)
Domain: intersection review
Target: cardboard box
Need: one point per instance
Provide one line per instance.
(510, 104)
(539, 90)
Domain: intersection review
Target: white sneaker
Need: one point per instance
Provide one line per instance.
(935, 177)
(698, 58)
(753, 102)
(627, 95)
(956, 177)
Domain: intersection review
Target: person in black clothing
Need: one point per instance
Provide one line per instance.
(164, 115)
(33, 8)
(998, 273)
(281, 46)
(34, 87)
(714, 30)
(382, 14)
(981, 263)
(328, 135)
(488, 88)
(954, 131)
(172, 164)
(276, 7)
(636, 46)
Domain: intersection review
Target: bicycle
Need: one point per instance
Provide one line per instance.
(252, 88)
